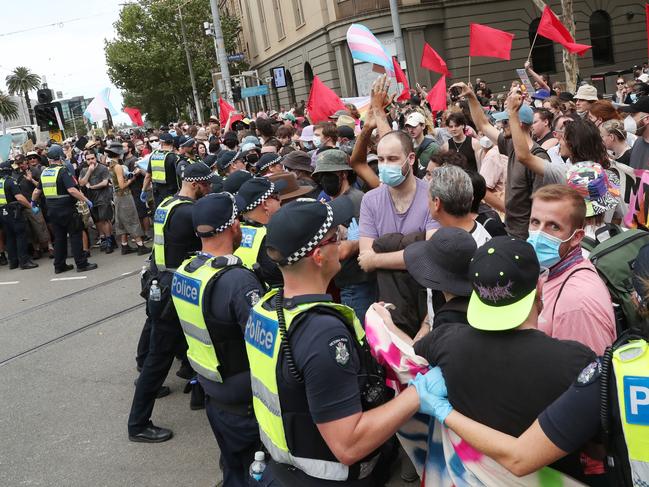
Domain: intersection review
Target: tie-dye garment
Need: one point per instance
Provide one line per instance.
(442, 458)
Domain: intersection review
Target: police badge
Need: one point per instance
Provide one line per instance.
(339, 349)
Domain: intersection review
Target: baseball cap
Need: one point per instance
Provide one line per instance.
(289, 116)
(216, 210)
(414, 119)
(346, 132)
(299, 226)
(541, 94)
(257, 190)
(591, 181)
(167, 138)
(307, 134)
(504, 273)
(442, 262)
(267, 160)
(198, 171)
(338, 113)
(586, 92)
(345, 121)
(55, 152)
(331, 161)
(234, 181)
(525, 114)
(32, 154)
(640, 105)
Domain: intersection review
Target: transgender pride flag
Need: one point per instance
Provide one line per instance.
(365, 47)
(96, 110)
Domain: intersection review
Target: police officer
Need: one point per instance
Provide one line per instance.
(186, 155)
(213, 294)
(230, 161)
(13, 221)
(161, 173)
(316, 389)
(260, 200)
(62, 192)
(174, 239)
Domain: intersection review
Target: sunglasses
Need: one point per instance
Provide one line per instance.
(327, 241)
(620, 83)
(153, 140)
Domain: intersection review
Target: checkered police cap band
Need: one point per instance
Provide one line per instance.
(231, 161)
(315, 240)
(197, 179)
(261, 199)
(270, 163)
(227, 224)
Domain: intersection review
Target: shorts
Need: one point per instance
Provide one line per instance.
(103, 212)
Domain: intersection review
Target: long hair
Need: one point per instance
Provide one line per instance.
(585, 142)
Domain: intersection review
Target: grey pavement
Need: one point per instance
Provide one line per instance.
(67, 367)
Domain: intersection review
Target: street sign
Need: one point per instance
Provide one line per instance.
(254, 91)
(235, 58)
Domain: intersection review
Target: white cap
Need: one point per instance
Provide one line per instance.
(260, 456)
(415, 118)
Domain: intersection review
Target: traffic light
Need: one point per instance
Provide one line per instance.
(46, 115)
(236, 93)
(44, 95)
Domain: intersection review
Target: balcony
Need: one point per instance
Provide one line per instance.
(352, 8)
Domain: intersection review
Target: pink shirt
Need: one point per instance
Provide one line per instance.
(584, 311)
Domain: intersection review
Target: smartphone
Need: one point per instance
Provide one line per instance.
(454, 93)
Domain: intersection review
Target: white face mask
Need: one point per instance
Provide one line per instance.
(486, 142)
(316, 141)
(630, 125)
(155, 145)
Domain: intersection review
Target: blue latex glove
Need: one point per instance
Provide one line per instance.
(353, 232)
(90, 205)
(431, 389)
(144, 197)
(35, 209)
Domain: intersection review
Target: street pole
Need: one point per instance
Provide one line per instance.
(396, 27)
(221, 55)
(197, 102)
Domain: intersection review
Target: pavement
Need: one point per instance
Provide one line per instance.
(67, 365)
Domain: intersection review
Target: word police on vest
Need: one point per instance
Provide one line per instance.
(247, 237)
(185, 288)
(636, 390)
(261, 333)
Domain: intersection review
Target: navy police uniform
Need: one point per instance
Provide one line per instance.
(13, 221)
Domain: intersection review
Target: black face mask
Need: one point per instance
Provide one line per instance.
(330, 183)
(252, 158)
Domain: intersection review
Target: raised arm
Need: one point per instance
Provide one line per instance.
(536, 77)
(358, 160)
(477, 113)
(519, 138)
(378, 103)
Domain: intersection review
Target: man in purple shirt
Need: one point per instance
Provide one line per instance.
(400, 204)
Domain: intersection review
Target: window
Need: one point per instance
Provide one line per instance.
(308, 76)
(299, 14)
(253, 40)
(600, 38)
(290, 87)
(278, 20)
(543, 52)
(264, 28)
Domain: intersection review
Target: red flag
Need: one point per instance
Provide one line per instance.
(135, 115)
(433, 61)
(551, 28)
(224, 112)
(489, 42)
(436, 97)
(401, 78)
(323, 102)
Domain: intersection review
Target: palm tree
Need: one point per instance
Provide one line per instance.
(22, 81)
(8, 110)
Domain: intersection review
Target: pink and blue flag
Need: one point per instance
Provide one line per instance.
(96, 110)
(364, 46)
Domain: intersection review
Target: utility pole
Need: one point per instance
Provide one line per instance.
(197, 102)
(221, 55)
(396, 28)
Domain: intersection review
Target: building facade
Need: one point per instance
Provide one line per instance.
(308, 38)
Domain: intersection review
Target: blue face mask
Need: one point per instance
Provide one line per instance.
(391, 175)
(546, 247)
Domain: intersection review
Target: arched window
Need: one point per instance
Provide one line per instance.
(308, 76)
(601, 38)
(290, 87)
(543, 52)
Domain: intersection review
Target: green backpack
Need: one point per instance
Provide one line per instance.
(613, 259)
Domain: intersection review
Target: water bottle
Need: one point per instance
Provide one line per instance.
(154, 292)
(257, 467)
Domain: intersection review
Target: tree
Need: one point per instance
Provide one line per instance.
(147, 61)
(8, 110)
(22, 81)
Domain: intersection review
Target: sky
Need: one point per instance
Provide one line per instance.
(70, 55)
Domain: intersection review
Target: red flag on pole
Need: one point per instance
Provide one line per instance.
(322, 102)
(401, 78)
(551, 28)
(135, 115)
(224, 112)
(489, 42)
(433, 61)
(436, 97)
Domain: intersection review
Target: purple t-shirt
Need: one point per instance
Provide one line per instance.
(379, 216)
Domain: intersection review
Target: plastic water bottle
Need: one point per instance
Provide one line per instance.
(257, 467)
(154, 292)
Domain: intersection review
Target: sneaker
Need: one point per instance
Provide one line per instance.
(127, 250)
(143, 250)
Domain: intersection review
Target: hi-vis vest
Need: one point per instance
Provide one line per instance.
(160, 218)
(3, 195)
(214, 356)
(263, 342)
(251, 240)
(631, 366)
(48, 182)
(158, 172)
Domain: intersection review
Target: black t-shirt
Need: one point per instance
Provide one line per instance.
(625, 158)
(11, 189)
(180, 236)
(231, 299)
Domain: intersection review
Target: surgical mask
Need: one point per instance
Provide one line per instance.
(317, 142)
(330, 183)
(391, 175)
(155, 145)
(546, 247)
(485, 142)
(634, 97)
(630, 125)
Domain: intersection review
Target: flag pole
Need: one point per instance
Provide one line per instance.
(470, 71)
(531, 48)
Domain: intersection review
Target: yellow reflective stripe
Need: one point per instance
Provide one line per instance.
(267, 398)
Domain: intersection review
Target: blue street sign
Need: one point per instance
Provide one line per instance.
(235, 58)
(254, 91)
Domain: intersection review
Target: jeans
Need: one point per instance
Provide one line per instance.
(359, 297)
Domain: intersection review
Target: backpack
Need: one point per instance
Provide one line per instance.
(613, 259)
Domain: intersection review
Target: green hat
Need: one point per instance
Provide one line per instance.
(504, 274)
(332, 160)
